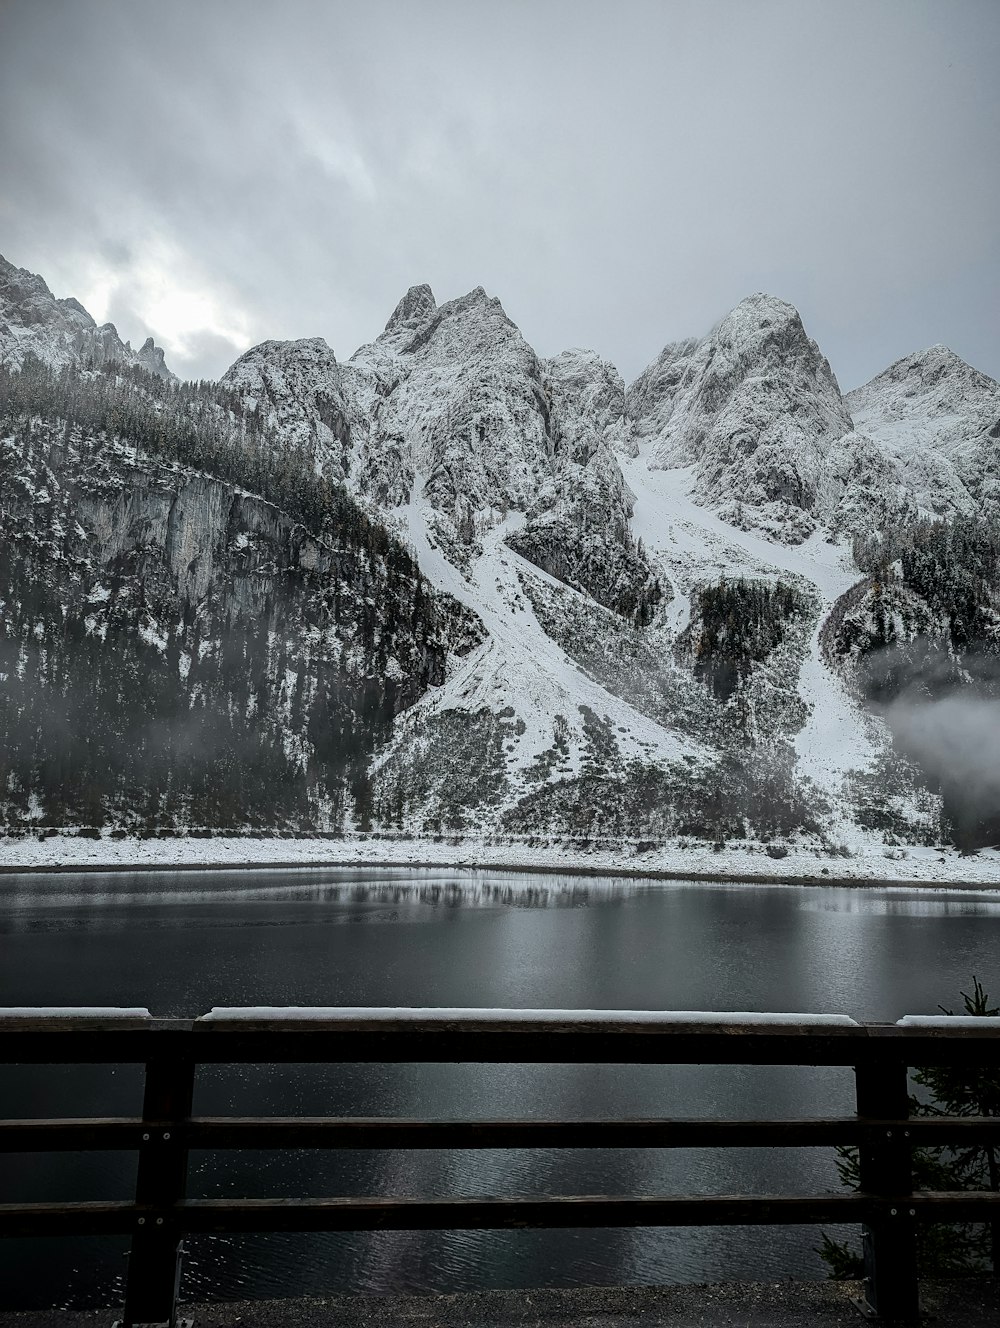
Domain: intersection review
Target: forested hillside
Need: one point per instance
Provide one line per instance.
(195, 629)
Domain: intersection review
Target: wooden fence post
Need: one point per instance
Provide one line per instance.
(154, 1266)
(885, 1169)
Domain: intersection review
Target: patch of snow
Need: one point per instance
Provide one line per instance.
(152, 637)
(934, 868)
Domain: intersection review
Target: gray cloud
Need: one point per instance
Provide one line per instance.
(218, 174)
(944, 715)
(956, 738)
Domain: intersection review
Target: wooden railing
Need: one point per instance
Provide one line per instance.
(171, 1050)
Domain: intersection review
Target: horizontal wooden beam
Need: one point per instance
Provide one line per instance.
(534, 1039)
(221, 1216)
(73, 1135)
(355, 1132)
(382, 1133)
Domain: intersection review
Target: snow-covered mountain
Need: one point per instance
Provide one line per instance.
(658, 600)
(939, 419)
(61, 332)
(754, 409)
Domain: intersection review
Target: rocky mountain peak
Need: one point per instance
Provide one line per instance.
(26, 297)
(151, 357)
(72, 306)
(753, 408)
(298, 388)
(650, 399)
(764, 334)
(934, 405)
(417, 304)
(939, 419)
(934, 379)
(476, 299)
(59, 332)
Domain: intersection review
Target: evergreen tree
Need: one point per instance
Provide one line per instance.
(944, 1250)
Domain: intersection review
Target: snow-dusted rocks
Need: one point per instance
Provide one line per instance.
(930, 396)
(416, 305)
(296, 389)
(451, 408)
(757, 413)
(61, 332)
(150, 356)
(651, 398)
(754, 408)
(578, 528)
(452, 395)
(940, 418)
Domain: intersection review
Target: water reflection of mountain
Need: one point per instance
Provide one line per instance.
(889, 903)
(41, 904)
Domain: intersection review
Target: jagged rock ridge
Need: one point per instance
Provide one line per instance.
(61, 332)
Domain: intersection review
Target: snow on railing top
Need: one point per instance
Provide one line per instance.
(435, 1014)
(73, 1012)
(948, 1021)
(475, 1014)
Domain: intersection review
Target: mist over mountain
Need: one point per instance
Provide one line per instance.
(448, 586)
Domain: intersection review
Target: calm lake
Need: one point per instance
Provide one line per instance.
(182, 942)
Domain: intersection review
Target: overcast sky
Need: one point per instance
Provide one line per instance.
(619, 172)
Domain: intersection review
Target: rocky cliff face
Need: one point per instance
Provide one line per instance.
(175, 649)
(61, 332)
(450, 408)
(296, 390)
(757, 415)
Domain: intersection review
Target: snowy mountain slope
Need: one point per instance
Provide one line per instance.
(532, 734)
(455, 395)
(731, 457)
(698, 546)
(520, 678)
(931, 397)
(61, 332)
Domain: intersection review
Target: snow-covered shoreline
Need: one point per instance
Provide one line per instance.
(929, 868)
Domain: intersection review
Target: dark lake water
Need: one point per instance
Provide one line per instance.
(180, 943)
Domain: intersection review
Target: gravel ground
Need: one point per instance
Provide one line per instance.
(965, 1304)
